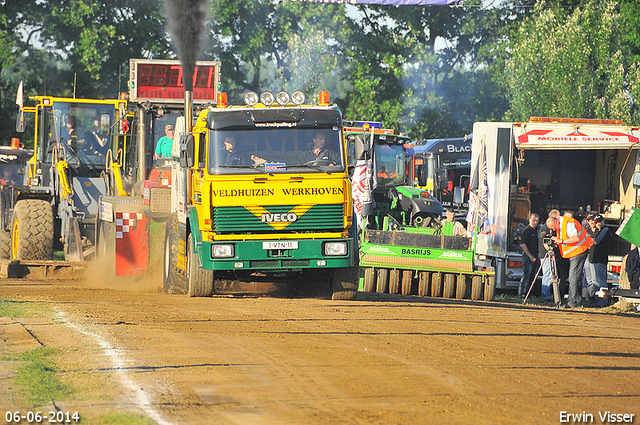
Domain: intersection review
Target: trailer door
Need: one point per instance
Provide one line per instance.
(489, 201)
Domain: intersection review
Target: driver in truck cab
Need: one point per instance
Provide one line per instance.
(319, 154)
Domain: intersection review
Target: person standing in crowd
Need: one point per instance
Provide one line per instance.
(529, 245)
(545, 233)
(574, 242)
(451, 227)
(165, 143)
(597, 260)
(632, 267)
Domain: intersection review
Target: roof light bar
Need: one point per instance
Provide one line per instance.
(574, 120)
(251, 98)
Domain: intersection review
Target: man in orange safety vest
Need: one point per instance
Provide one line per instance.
(574, 242)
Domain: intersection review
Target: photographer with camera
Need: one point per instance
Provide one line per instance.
(574, 242)
(595, 266)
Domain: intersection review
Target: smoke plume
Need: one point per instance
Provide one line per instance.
(186, 22)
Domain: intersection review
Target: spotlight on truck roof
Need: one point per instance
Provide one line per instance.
(267, 98)
(251, 98)
(282, 98)
(297, 97)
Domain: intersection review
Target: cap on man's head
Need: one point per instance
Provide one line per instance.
(169, 127)
(598, 218)
(590, 216)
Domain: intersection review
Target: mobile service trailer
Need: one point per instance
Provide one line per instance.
(577, 165)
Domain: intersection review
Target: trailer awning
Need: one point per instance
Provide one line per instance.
(575, 138)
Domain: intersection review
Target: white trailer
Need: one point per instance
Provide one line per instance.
(549, 163)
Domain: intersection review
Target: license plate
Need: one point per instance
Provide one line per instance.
(280, 245)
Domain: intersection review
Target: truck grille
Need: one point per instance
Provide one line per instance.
(319, 218)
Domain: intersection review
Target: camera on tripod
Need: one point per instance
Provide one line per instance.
(548, 242)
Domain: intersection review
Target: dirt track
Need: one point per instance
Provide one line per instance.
(378, 360)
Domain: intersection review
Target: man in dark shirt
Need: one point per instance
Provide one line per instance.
(632, 267)
(319, 154)
(530, 262)
(231, 155)
(596, 263)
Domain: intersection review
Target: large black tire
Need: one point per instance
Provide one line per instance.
(382, 282)
(199, 280)
(5, 245)
(345, 283)
(172, 281)
(436, 285)
(476, 288)
(449, 286)
(407, 280)
(423, 284)
(461, 286)
(369, 279)
(32, 229)
(394, 281)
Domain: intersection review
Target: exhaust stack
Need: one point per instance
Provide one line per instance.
(188, 111)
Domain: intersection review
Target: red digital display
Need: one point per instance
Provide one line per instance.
(164, 81)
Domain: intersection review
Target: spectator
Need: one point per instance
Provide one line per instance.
(450, 227)
(530, 262)
(632, 267)
(165, 143)
(597, 259)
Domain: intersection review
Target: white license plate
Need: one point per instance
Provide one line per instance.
(280, 245)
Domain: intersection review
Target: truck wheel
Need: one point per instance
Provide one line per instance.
(489, 288)
(476, 288)
(436, 285)
(345, 283)
(449, 286)
(423, 284)
(407, 279)
(5, 245)
(199, 280)
(32, 230)
(382, 281)
(394, 281)
(369, 279)
(461, 287)
(172, 281)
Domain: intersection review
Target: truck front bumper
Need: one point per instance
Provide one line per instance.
(270, 255)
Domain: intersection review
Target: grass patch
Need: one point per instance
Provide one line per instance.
(14, 309)
(124, 419)
(37, 376)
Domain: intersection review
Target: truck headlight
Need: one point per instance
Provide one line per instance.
(222, 251)
(335, 248)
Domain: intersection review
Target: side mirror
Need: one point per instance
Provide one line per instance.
(420, 173)
(458, 195)
(186, 151)
(361, 147)
(105, 124)
(20, 121)
(202, 149)
(636, 180)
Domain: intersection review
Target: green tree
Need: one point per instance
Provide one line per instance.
(570, 62)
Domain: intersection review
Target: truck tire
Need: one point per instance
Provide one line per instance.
(461, 287)
(423, 284)
(32, 229)
(199, 280)
(489, 288)
(407, 280)
(369, 279)
(476, 288)
(382, 281)
(172, 281)
(394, 281)
(436, 285)
(345, 283)
(449, 286)
(5, 245)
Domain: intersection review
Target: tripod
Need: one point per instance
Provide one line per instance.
(555, 281)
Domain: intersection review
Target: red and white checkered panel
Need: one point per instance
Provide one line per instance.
(125, 222)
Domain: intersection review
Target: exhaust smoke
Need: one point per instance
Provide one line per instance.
(186, 21)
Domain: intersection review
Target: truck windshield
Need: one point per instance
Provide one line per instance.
(262, 150)
(390, 165)
(82, 130)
